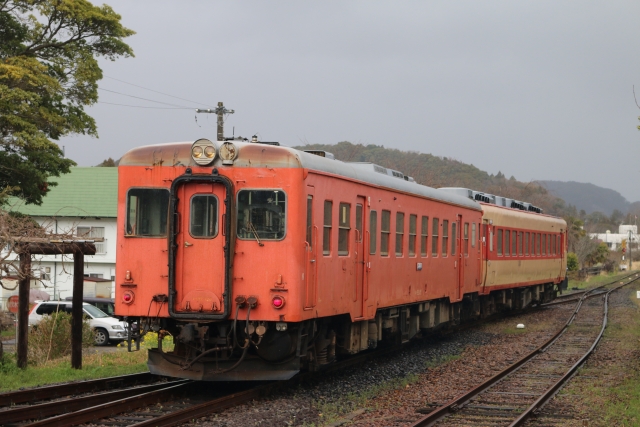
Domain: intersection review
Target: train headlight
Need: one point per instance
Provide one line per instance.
(210, 152)
(228, 153)
(203, 152)
(281, 326)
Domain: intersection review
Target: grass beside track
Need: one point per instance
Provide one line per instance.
(594, 281)
(94, 365)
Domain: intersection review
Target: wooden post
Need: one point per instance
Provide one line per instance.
(76, 312)
(23, 309)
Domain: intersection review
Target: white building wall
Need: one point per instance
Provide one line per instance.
(58, 269)
(614, 240)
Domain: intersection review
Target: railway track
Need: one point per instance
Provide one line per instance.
(136, 404)
(515, 394)
(133, 400)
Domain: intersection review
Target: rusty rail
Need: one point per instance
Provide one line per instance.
(71, 404)
(61, 390)
(114, 407)
(459, 402)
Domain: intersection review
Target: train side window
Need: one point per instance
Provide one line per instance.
(399, 233)
(326, 229)
(538, 244)
(473, 236)
(499, 242)
(526, 244)
(344, 227)
(373, 226)
(548, 244)
(147, 212)
(424, 234)
(490, 239)
(434, 237)
(520, 233)
(203, 216)
(261, 214)
(507, 242)
(310, 219)
(514, 235)
(413, 228)
(559, 244)
(454, 237)
(544, 244)
(466, 239)
(385, 230)
(553, 244)
(445, 237)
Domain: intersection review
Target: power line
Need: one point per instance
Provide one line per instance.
(144, 99)
(140, 106)
(156, 91)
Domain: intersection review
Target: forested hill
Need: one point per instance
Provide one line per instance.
(588, 197)
(438, 172)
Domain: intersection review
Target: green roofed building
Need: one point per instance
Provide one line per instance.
(84, 204)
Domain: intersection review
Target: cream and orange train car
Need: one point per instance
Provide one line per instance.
(260, 260)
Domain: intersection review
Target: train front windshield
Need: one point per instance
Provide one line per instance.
(147, 210)
(261, 214)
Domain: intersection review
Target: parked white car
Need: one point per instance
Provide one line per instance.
(106, 328)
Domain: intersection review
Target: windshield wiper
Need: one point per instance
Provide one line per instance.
(255, 233)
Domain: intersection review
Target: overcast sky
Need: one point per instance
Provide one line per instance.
(535, 89)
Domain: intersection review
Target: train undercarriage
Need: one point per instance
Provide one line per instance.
(241, 351)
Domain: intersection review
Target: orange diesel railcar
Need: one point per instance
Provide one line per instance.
(260, 260)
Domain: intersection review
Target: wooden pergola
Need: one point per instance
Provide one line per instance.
(43, 246)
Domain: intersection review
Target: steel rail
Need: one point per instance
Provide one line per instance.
(563, 299)
(235, 399)
(79, 411)
(114, 407)
(458, 402)
(206, 408)
(551, 391)
(71, 404)
(60, 390)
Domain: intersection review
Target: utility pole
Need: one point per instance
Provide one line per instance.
(629, 245)
(220, 111)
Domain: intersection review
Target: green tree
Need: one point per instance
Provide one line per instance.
(599, 254)
(49, 72)
(572, 262)
(575, 231)
(108, 163)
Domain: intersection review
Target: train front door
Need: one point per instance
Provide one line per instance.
(199, 238)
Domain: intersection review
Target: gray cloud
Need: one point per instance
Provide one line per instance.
(538, 90)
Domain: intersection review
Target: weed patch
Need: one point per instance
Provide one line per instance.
(52, 338)
(95, 364)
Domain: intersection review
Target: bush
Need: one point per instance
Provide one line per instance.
(572, 262)
(51, 339)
